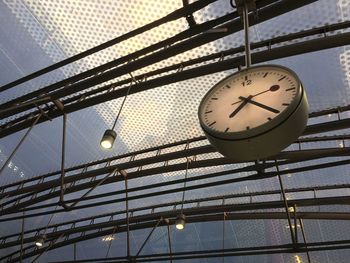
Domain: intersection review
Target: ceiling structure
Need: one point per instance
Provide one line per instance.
(121, 205)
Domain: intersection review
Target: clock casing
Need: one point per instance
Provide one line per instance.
(254, 113)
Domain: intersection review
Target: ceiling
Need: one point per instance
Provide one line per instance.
(168, 64)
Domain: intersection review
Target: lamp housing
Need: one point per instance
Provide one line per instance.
(180, 222)
(108, 139)
(39, 242)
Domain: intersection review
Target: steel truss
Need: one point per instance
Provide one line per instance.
(21, 197)
(88, 229)
(262, 56)
(27, 195)
(181, 12)
(265, 13)
(220, 253)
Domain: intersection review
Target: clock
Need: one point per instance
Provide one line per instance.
(254, 113)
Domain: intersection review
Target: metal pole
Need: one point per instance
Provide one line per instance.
(63, 187)
(22, 237)
(285, 205)
(248, 59)
(149, 235)
(169, 242)
(127, 216)
(75, 251)
(304, 238)
(295, 223)
(223, 238)
(20, 143)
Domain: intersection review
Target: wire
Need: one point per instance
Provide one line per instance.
(126, 95)
(48, 224)
(183, 193)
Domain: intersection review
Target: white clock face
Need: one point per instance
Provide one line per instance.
(250, 99)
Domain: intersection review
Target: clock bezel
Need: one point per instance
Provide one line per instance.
(259, 130)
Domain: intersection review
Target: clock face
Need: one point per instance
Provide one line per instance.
(250, 101)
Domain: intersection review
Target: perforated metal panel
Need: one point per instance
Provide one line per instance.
(39, 33)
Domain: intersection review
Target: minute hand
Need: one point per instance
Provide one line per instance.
(259, 105)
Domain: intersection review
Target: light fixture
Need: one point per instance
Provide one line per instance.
(108, 139)
(180, 222)
(108, 238)
(40, 241)
(181, 219)
(110, 135)
(297, 259)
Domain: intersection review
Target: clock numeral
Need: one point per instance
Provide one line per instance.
(214, 98)
(290, 89)
(208, 112)
(228, 86)
(247, 82)
(285, 104)
(265, 74)
(269, 118)
(211, 124)
(227, 129)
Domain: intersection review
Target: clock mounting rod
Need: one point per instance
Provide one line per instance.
(248, 58)
(243, 8)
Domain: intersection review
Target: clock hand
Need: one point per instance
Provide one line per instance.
(272, 88)
(265, 107)
(244, 102)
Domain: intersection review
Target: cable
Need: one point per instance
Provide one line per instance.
(185, 181)
(126, 95)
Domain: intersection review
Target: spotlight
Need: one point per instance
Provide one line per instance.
(108, 139)
(40, 241)
(180, 222)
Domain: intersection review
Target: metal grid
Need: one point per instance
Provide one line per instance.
(168, 114)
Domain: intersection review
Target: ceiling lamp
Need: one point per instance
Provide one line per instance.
(110, 135)
(180, 222)
(40, 241)
(108, 139)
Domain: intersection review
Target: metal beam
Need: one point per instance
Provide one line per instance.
(265, 43)
(256, 176)
(107, 72)
(206, 215)
(186, 10)
(258, 57)
(89, 74)
(192, 215)
(231, 252)
(266, 13)
(44, 177)
(197, 201)
(321, 127)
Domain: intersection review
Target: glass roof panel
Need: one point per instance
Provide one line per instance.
(37, 34)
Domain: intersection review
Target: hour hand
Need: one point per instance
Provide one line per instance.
(259, 104)
(243, 103)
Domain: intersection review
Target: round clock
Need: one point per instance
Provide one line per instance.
(254, 113)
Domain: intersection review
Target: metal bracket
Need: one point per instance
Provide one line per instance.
(240, 5)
